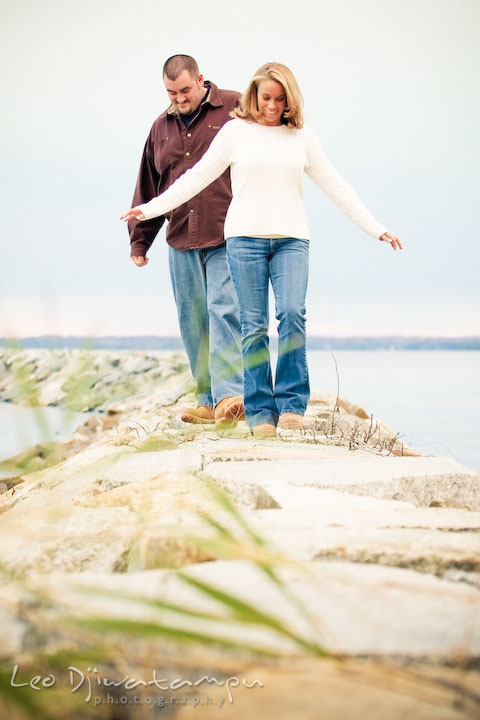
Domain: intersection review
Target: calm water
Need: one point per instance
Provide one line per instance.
(23, 426)
(431, 398)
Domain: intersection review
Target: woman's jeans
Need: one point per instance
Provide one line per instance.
(283, 261)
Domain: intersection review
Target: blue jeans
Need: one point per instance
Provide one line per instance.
(284, 261)
(209, 321)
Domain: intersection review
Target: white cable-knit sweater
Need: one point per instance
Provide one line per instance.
(266, 168)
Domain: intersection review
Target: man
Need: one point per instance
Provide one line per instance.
(206, 300)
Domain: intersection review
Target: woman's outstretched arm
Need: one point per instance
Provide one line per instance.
(322, 172)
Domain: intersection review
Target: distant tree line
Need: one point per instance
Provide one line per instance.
(154, 342)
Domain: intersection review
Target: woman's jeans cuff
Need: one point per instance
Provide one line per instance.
(260, 418)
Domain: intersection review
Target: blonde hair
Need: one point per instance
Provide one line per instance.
(292, 116)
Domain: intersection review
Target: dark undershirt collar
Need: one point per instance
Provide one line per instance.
(187, 119)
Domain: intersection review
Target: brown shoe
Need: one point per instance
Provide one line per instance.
(201, 414)
(229, 411)
(291, 421)
(264, 430)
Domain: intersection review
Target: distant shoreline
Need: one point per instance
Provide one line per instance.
(314, 342)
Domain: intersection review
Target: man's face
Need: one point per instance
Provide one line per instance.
(186, 92)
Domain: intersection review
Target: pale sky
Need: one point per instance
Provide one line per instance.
(390, 88)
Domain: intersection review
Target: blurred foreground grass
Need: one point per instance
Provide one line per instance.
(118, 646)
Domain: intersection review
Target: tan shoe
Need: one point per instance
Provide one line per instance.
(291, 421)
(229, 411)
(264, 430)
(201, 414)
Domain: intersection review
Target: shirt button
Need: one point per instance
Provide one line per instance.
(189, 134)
(187, 154)
(192, 211)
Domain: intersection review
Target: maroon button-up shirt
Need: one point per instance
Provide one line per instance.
(170, 150)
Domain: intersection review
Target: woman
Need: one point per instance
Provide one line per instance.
(268, 148)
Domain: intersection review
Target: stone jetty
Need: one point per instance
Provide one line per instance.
(345, 566)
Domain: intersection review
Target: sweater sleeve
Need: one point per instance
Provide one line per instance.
(205, 171)
(322, 172)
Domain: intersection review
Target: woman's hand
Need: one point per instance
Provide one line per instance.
(394, 241)
(133, 214)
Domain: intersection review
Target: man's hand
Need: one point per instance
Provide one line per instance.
(139, 260)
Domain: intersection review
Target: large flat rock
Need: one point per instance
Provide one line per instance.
(96, 511)
(103, 467)
(297, 686)
(375, 533)
(142, 506)
(308, 519)
(307, 689)
(356, 609)
(379, 556)
(419, 480)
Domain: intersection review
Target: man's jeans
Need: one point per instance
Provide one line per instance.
(209, 321)
(284, 261)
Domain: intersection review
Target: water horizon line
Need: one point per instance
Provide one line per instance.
(314, 342)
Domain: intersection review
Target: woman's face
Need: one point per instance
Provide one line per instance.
(271, 102)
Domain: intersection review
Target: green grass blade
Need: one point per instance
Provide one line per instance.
(145, 629)
(243, 612)
(24, 698)
(155, 603)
